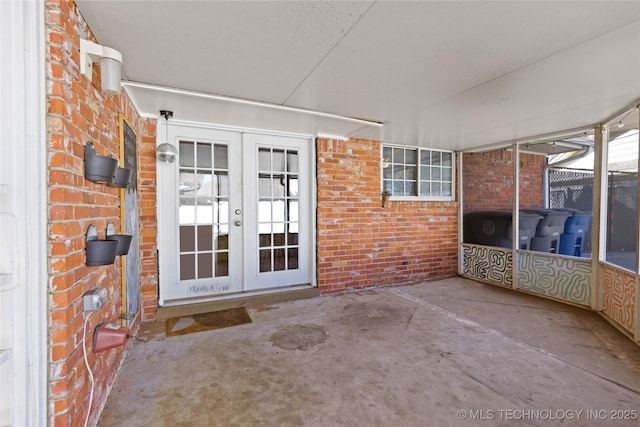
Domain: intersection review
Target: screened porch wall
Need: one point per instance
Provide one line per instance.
(601, 285)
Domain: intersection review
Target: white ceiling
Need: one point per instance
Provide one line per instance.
(440, 74)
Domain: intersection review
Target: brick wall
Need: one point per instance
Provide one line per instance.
(360, 243)
(78, 113)
(148, 220)
(488, 180)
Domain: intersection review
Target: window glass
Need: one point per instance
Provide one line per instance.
(416, 172)
(203, 186)
(622, 187)
(278, 208)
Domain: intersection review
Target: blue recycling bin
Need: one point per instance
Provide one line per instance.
(548, 230)
(575, 228)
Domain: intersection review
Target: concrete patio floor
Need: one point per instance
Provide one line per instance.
(452, 352)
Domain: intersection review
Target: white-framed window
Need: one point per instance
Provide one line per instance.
(417, 173)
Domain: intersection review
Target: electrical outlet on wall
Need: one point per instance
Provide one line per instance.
(94, 299)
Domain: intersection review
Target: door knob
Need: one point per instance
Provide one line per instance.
(238, 223)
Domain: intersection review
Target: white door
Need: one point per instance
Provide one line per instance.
(278, 219)
(234, 214)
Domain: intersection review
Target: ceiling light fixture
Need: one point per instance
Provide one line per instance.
(166, 153)
(110, 65)
(620, 123)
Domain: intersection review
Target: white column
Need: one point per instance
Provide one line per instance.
(598, 222)
(515, 226)
(23, 204)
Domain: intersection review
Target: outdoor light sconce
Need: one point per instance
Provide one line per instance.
(166, 153)
(110, 64)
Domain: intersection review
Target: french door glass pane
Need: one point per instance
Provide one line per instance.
(292, 162)
(293, 258)
(292, 187)
(205, 266)
(220, 157)
(278, 186)
(264, 185)
(264, 160)
(265, 260)
(278, 160)
(203, 187)
(186, 153)
(187, 238)
(187, 267)
(222, 264)
(205, 238)
(279, 260)
(278, 192)
(204, 156)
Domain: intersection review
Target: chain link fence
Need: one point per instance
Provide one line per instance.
(622, 212)
(573, 188)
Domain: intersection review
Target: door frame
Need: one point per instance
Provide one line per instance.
(164, 245)
(23, 185)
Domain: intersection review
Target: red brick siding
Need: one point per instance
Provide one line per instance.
(488, 181)
(148, 220)
(78, 113)
(360, 243)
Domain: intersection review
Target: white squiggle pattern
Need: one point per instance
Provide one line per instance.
(619, 296)
(558, 277)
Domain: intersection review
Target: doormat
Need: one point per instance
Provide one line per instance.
(207, 321)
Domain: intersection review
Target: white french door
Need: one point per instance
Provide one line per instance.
(234, 214)
(277, 200)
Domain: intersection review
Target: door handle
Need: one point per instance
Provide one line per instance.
(238, 223)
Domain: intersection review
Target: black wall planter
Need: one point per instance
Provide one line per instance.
(100, 252)
(121, 178)
(98, 168)
(124, 240)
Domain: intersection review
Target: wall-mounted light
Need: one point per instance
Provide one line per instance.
(110, 64)
(620, 122)
(166, 152)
